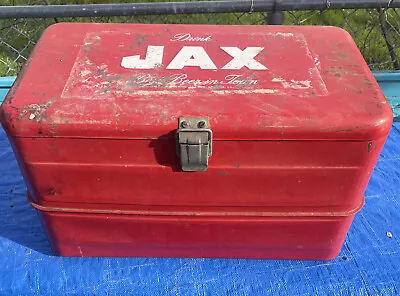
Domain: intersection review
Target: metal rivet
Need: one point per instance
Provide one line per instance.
(184, 124)
(201, 124)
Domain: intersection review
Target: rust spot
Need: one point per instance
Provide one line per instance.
(55, 148)
(140, 37)
(60, 79)
(50, 191)
(53, 129)
(222, 173)
(365, 108)
(87, 49)
(236, 165)
(41, 94)
(367, 82)
(5, 115)
(216, 87)
(35, 112)
(102, 72)
(147, 137)
(341, 54)
(349, 130)
(104, 90)
(114, 77)
(336, 71)
(369, 146)
(56, 229)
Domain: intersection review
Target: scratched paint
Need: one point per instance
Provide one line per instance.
(35, 111)
(294, 83)
(284, 34)
(189, 93)
(158, 65)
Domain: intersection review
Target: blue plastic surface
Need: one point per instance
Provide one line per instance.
(5, 84)
(369, 263)
(389, 81)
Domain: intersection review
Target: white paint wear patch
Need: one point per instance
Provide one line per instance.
(243, 92)
(295, 84)
(282, 34)
(317, 62)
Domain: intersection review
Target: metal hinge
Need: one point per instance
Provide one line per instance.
(194, 143)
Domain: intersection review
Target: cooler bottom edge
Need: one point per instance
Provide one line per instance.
(113, 235)
(90, 251)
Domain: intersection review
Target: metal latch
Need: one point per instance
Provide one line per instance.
(194, 143)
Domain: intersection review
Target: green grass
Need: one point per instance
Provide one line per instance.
(364, 25)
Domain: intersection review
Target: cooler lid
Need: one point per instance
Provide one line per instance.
(251, 82)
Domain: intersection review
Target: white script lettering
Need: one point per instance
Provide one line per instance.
(182, 80)
(188, 37)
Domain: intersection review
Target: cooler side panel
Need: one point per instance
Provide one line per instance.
(305, 175)
(138, 236)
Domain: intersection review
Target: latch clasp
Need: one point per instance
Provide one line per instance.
(194, 143)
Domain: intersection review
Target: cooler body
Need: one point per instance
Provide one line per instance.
(196, 141)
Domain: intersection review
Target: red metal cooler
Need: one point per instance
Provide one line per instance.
(196, 141)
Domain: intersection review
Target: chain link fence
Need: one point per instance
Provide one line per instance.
(376, 31)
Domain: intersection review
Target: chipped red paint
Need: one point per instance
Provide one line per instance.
(298, 123)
